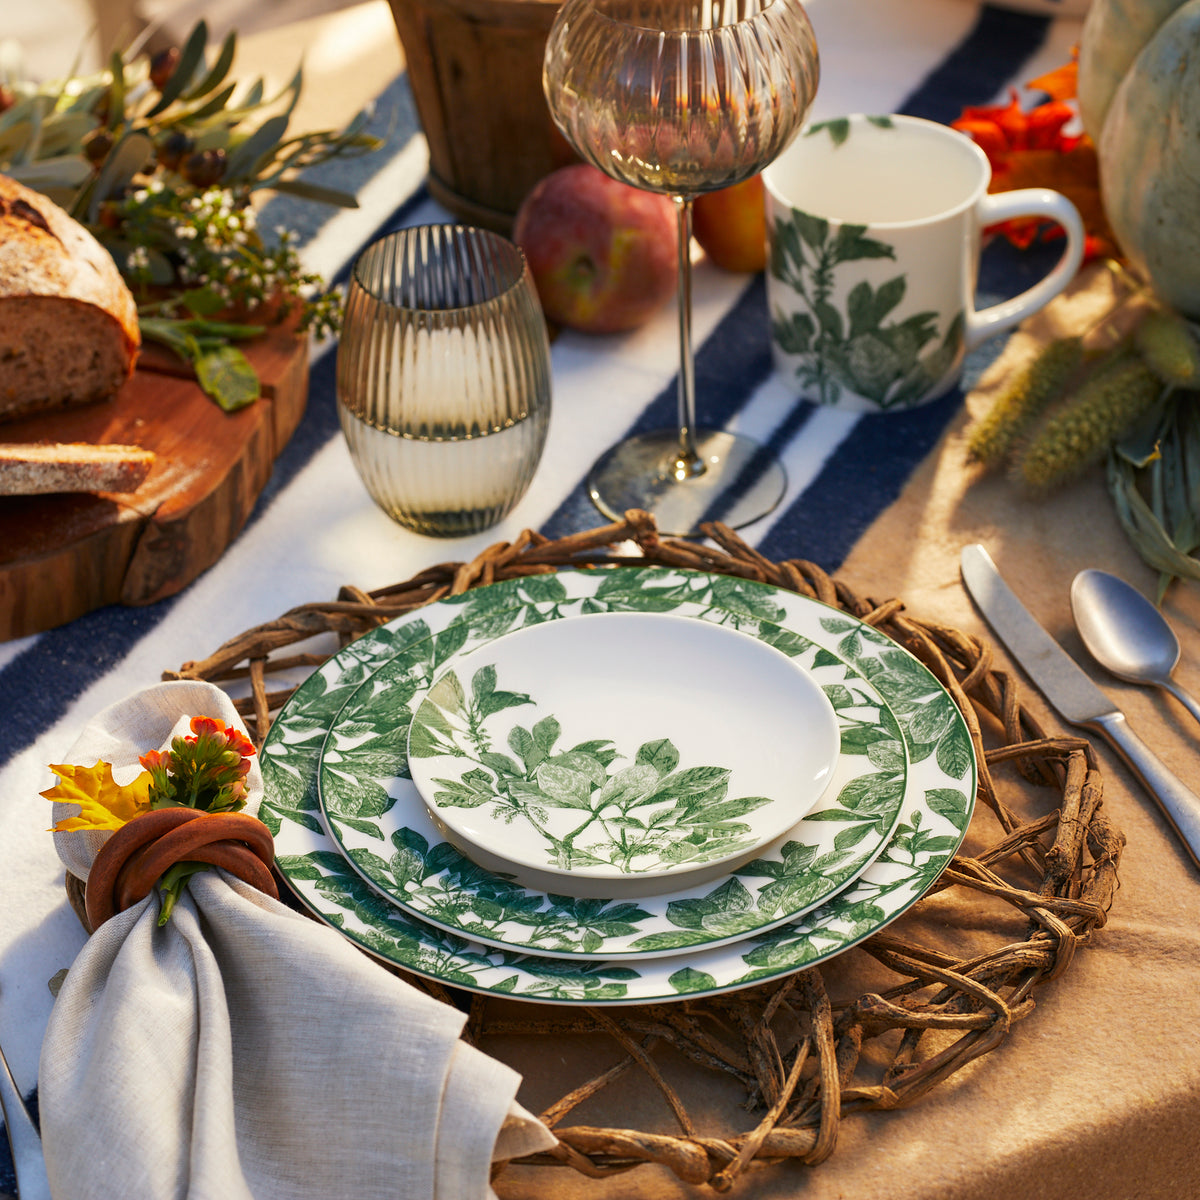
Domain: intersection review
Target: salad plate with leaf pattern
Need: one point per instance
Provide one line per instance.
(675, 750)
(934, 815)
(373, 812)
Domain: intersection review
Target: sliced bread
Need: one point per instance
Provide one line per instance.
(68, 322)
(38, 468)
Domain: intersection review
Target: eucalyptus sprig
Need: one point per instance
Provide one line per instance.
(222, 370)
(161, 159)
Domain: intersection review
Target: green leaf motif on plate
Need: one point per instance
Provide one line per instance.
(389, 932)
(951, 804)
(954, 754)
(289, 797)
(367, 677)
(380, 753)
(688, 980)
(454, 893)
(932, 720)
(743, 597)
(639, 817)
(480, 903)
(638, 590)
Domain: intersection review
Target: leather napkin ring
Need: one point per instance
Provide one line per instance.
(132, 860)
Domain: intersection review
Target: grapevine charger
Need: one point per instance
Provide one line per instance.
(801, 1063)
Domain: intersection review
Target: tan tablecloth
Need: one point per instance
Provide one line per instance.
(1097, 1093)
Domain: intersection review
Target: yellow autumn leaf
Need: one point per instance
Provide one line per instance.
(103, 803)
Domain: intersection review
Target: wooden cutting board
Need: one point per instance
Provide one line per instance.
(63, 555)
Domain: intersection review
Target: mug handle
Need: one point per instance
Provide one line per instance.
(1027, 202)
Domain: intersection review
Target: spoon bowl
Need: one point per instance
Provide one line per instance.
(1126, 634)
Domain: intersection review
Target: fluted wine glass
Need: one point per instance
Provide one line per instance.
(682, 97)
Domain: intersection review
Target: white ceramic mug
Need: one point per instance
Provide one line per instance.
(874, 225)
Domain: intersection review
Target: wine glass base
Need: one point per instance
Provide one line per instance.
(741, 481)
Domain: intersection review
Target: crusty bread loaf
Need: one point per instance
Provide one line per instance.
(37, 468)
(68, 323)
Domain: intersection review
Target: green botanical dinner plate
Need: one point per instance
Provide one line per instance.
(387, 833)
(620, 756)
(933, 819)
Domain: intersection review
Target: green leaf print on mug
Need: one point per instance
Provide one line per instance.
(854, 350)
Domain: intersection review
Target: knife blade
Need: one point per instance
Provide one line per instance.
(1074, 696)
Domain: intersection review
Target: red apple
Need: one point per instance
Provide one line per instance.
(731, 225)
(602, 254)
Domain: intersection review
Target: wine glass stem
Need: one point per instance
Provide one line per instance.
(688, 463)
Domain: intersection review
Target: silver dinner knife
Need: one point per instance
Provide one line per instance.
(1076, 698)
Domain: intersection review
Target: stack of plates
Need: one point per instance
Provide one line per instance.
(518, 791)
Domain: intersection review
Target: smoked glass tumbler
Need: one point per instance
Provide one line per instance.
(443, 377)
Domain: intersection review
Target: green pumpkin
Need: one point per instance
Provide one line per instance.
(1149, 160)
(1114, 33)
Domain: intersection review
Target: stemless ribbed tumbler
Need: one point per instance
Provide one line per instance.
(443, 377)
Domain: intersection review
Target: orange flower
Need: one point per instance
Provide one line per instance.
(207, 770)
(215, 728)
(1030, 147)
(1002, 130)
(206, 725)
(235, 739)
(1062, 83)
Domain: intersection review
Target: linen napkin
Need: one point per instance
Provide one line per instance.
(243, 1050)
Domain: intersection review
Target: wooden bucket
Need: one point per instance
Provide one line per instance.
(475, 67)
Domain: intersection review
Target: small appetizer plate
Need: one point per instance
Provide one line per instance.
(621, 754)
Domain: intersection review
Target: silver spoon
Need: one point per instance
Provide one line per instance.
(1125, 633)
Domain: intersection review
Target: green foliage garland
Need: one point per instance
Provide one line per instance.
(160, 158)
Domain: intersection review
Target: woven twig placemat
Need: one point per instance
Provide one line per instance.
(797, 1057)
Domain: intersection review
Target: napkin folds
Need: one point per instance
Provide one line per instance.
(243, 1050)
